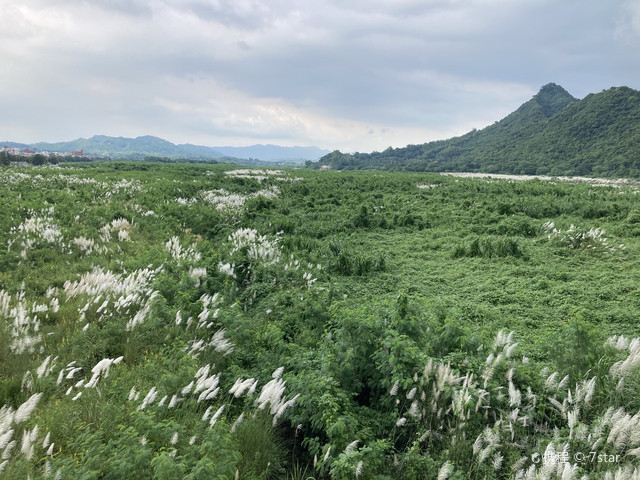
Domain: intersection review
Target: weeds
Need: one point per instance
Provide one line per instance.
(151, 326)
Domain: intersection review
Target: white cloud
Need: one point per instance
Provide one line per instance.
(357, 75)
(628, 27)
(226, 116)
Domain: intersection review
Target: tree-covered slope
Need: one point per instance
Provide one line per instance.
(553, 133)
(123, 147)
(150, 146)
(600, 134)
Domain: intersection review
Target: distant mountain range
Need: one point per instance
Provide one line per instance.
(149, 146)
(552, 134)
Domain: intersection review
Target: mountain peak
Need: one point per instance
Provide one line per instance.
(553, 88)
(552, 98)
(550, 134)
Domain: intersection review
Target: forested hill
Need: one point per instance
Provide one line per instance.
(134, 148)
(553, 133)
(149, 146)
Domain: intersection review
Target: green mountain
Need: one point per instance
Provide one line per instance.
(553, 134)
(140, 147)
(149, 146)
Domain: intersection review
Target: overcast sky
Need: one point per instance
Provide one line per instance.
(356, 75)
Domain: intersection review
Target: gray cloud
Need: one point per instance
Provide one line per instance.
(325, 73)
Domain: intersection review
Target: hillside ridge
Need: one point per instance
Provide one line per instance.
(553, 133)
(152, 146)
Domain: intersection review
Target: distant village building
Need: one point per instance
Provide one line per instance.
(11, 150)
(28, 152)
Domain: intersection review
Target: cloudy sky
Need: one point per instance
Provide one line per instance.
(354, 75)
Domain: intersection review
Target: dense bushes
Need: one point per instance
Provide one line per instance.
(488, 247)
(206, 322)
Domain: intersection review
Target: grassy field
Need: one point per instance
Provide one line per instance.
(191, 321)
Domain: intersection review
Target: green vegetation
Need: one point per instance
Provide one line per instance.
(194, 321)
(131, 148)
(152, 148)
(551, 134)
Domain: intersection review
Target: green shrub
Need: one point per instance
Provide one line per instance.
(490, 247)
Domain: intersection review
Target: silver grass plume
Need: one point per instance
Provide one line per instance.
(326, 455)
(445, 470)
(216, 415)
(352, 446)
(359, 467)
(24, 411)
(394, 389)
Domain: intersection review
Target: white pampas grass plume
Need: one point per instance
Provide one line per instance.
(497, 461)
(149, 398)
(515, 397)
(352, 446)
(326, 455)
(569, 471)
(551, 383)
(283, 407)
(249, 385)
(216, 415)
(187, 389)
(589, 390)
(221, 344)
(560, 407)
(572, 420)
(24, 411)
(132, 393)
(508, 350)
(101, 369)
(5, 438)
(27, 382)
(563, 383)
(47, 440)
(484, 453)
(44, 369)
(394, 389)
(208, 394)
(414, 410)
(237, 422)
(359, 467)
(477, 445)
(28, 439)
(445, 471)
(206, 414)
(6, 454)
